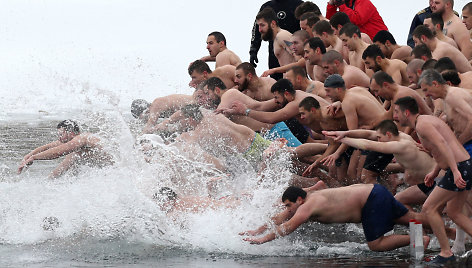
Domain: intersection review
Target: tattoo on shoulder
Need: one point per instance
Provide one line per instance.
(287, 43)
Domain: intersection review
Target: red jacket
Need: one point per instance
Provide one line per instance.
(364, 14)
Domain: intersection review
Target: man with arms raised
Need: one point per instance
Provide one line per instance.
(371, 205)
(297, 76)
(375, 60)
(270, 30)
(216, 45)
(333, 63)
(255, 87)
(454, 187)
(79, 148)
(423, 35)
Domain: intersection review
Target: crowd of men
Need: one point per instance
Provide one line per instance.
(355, 110)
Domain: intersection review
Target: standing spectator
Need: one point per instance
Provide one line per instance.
(361, 13)
(285, 10)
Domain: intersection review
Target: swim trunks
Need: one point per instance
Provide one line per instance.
(468, 147)
(259, 144)
(425, 189)
(465, 168)
(345, 156)
(377, 162)
(280, 130)
(379, 212)
(297, 129)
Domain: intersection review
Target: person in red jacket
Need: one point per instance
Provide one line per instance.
(361, 13)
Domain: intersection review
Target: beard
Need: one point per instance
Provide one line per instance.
(244, 85)
(377, 67)
(283, 103)
(269, 35)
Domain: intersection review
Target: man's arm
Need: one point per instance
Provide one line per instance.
(42, 149)
(276, 220)
(463, 108)
(462, 38)
(65, 165)
(390, 147)
(285, 68)
(159, 105)
(289, 111)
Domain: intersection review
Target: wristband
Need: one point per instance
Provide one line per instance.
(248, 111)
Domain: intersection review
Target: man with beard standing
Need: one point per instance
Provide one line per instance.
(255, 87)
(284, 10)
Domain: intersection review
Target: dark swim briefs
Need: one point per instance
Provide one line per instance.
(425, 189)
(377, 162)
(379, 212)
(345, 156)
(465, 168)
(468, 147)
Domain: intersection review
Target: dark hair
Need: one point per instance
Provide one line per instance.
(308, 103)
(445, 63)
(282, 86)
(372, 51)
(192, 111)
(380, 77)
(247, 68)
(331, 56)
(199, 66)
(311, 18)
(383, 36)
(408, 103)
(292, 193)
(305, 7)
(429, 64)
(339, 18)
(166, 193)
(323, 27)
(316, 42)
(349, 30)
(214, 82)
(267, 14)
(298, 70)
(423, 30)
(468, 6)
(138, 106)
(387, 126)
(69, 126)
(218, 37)
(452, 77)
(436, 18)
(420, 51)
(430, 75)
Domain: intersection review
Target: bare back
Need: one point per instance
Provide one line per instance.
(361, 108)
(355, 77)
(443, 49)
(226, 74)
(227, 57)
(262, 92)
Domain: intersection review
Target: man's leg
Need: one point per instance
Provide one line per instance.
(411, 196)
(389, 242)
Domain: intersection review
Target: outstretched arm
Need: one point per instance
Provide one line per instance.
(277, 220)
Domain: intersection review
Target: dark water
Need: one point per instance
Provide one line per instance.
(314, 245)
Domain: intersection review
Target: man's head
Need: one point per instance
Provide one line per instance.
(216, 42)
(314, 48)
(429, 64)
(307, 21)
(199, 72)
(338, 20)
(335, 87)
(244, 73)
(422, 35)
(214, 87)
(452, 78)
(445, 64)
(404, 109)
(386, 42)
(350, 34)
(140, 108)
(432, 83)
(309, 109)
(165, 197)
(266, 19)
(467, 15)
(298, 40)
(296, 75)
(422, 52)
(67, 130)
(192, 115)
(305, 7)
(387, 130)
(373, 57)
(380, 85)
(293, 198)
(323, 30)
(332, 61)
(413, 70)
(283, 92)
(434, 22)
(440, 6)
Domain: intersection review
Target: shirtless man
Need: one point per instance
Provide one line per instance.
(297, 76)
(435, 23)
(375, 60)
(255, 87)
(79, 148)
(447, 65)
(307, 21)
(371, 205)
(314, 49)
(467, 17)
(439, 49)
(350, 35)
(339, 19)
(331, 41)
(453, 26)
(216, 45)
(361, 110)
(270, 30)
(454, 187)
(199, 71)
(388, 140)
(297, 41)
(385, 40)
(333, 63)
(413, 71)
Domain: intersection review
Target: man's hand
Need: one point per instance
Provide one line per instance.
(256, 241)
(25, 163)
(267, 73)
(238, 108)
(421, 148)
(310, 169)
(334, 108)
(330, 159)
(335, 135)
(338, 2)
(429, 178)
(253, 59)
(458, 180)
